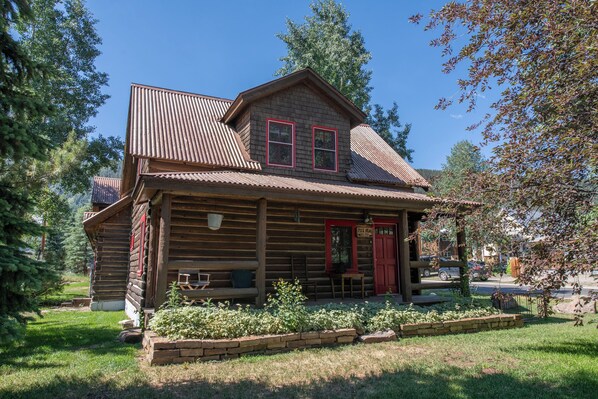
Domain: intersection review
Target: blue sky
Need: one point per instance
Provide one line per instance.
(222, 48)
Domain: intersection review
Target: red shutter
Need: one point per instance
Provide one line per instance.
(141, 245)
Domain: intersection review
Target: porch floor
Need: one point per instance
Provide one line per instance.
(416, 300)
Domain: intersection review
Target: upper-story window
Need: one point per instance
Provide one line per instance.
(325, 149)
(280, 140)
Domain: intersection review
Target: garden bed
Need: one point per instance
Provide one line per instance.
(161, 350)
(209, 332)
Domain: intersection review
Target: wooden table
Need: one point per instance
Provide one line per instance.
(351, 277)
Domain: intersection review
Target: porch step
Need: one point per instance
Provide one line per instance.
(221, 293)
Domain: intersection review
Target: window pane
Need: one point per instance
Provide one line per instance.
(324, 139)
(341, 245)
(280, 154)
(324, 159)
(280, 132)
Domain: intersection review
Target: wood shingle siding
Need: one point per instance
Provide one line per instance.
(301, 105)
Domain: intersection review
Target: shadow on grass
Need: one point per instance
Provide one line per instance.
(46, 337)
(408, 383)
(575, 347)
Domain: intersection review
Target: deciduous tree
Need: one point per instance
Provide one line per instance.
(542, 58)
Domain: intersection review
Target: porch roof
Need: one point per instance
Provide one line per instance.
(92, 219)
(265, 183)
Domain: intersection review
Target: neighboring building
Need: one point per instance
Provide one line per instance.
(289, 168)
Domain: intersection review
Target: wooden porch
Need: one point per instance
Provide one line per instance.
(259, 235)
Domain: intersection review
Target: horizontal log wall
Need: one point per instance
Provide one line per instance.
(286, 236)
(136, 285)
(191, 239)
(109, 278)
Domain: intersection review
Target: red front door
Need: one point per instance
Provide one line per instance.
(385, 259)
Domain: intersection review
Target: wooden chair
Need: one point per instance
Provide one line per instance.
(193, 280)
(299, 271)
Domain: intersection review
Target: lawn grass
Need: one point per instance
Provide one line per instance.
(73, 354)
(75, 286)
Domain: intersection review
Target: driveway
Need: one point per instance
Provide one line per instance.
(507, 284)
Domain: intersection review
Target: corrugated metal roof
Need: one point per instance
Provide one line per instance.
(184, 127)
(375, 161)
(106, 190)
(256, 180)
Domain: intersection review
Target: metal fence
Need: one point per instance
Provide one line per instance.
(529, 305)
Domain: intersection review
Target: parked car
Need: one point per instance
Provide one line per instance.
(428, 271)
(476, 270)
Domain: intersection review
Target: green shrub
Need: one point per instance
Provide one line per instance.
(288, 305)
(286, 312)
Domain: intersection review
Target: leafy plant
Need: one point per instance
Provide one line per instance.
(288, 304)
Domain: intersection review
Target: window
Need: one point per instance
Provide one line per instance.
(325, 149)
(341, 246)
(280, 140)
(142, 227)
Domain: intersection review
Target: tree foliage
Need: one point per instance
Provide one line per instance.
(463, 162)
(62, 36)
(543, 128)
(78, 250)
(20, 274)
(389, 127)
(49, 89)
(327, 43)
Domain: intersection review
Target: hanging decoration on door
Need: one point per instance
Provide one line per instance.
(364, 231)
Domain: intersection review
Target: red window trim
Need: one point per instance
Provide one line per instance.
(142, 227)
(268, 163)
(313, 148)
(132, 242)
(342, 223)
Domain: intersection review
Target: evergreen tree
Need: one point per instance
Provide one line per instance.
(463, 162)
(326, 43)
(21, 276)
(383, 123)
(78, 251)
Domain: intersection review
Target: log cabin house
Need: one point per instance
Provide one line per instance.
(285, 169)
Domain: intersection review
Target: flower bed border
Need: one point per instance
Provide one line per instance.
(161, 351)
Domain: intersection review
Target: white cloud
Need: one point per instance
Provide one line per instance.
(456, 116)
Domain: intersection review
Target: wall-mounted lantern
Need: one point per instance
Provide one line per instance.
(214, 221)
(367, 218)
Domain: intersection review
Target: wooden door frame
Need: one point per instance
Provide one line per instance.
(387, 221)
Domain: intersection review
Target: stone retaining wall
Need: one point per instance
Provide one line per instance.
(486, 323)
(162, 351)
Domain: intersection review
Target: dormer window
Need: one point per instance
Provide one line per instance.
(280, 140)
(325, 149)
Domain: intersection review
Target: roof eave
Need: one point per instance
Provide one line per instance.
(244, 98)
(101, 216)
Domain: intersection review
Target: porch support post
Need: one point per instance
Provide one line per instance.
(163, 249)
(404, 267)
(260, 243)
(462, 253)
